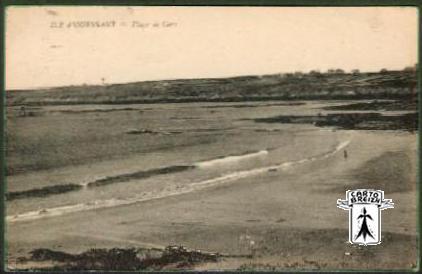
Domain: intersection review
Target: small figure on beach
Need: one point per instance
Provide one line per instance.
(22, 111)
(345, 154)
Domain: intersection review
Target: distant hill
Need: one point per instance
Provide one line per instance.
(297, 86)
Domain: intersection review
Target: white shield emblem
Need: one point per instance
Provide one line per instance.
(365, 207)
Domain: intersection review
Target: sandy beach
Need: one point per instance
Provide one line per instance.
(268, 210)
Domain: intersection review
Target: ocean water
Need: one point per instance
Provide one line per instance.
(213, 144)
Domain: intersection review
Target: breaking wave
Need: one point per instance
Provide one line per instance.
(170, 191)
(231, 159)
(121, 178)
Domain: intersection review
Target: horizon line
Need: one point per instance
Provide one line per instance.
(200, 78)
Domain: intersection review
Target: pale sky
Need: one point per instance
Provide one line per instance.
(201, 42)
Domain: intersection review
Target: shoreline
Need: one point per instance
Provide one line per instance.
(262, 212)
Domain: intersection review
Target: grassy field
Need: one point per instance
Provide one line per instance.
(390, 84)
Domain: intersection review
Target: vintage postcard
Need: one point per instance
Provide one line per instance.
(211, 138)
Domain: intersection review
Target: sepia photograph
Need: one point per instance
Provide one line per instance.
(211, 138)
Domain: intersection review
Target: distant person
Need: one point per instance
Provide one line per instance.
(345, 154)
(22, 111)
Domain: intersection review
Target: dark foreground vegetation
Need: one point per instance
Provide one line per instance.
(175, 257)
(355, 121)
(289, 86)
